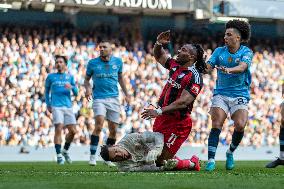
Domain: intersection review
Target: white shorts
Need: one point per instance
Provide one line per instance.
(229, 104)
(107, 107)
(63, 115)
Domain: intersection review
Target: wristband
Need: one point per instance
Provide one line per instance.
(159, 111)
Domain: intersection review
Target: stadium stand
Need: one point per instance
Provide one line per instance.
(27, 56)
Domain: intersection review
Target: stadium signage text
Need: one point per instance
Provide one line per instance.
(150, 4)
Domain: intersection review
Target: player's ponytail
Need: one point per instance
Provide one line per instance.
(200, 60)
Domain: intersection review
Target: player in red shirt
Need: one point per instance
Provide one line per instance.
(176, 101)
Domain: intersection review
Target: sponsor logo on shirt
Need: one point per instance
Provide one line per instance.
(106, 75)
(59, 83)
(230, 59)
(173, 83)
(195, 89)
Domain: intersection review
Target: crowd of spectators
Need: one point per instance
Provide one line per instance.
(27, 56)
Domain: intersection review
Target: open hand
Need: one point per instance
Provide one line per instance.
(164, 37)
(149, 113)
(88, 94)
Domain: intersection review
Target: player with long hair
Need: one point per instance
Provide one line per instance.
(178, 95)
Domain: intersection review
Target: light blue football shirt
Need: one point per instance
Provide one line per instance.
(232, 85)
(105, 76)
(56, 94)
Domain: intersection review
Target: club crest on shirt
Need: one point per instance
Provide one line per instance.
(230, 59)
(195, 89)
(114, 67)
(174, 83)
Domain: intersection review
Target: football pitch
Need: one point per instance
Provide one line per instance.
(79, 175)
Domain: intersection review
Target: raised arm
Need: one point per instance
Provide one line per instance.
(159, 53)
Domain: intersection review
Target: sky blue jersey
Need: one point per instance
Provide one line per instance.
(56, 94)
(105, 76)
(232, 85)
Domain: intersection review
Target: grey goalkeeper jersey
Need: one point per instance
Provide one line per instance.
(138, 145)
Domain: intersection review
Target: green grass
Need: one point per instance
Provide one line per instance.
(79, 175)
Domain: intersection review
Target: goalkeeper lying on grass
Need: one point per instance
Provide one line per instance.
(139, 152)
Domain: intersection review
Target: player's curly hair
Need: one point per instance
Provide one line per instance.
(242, 26)
(200, 60)
(105, 152)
